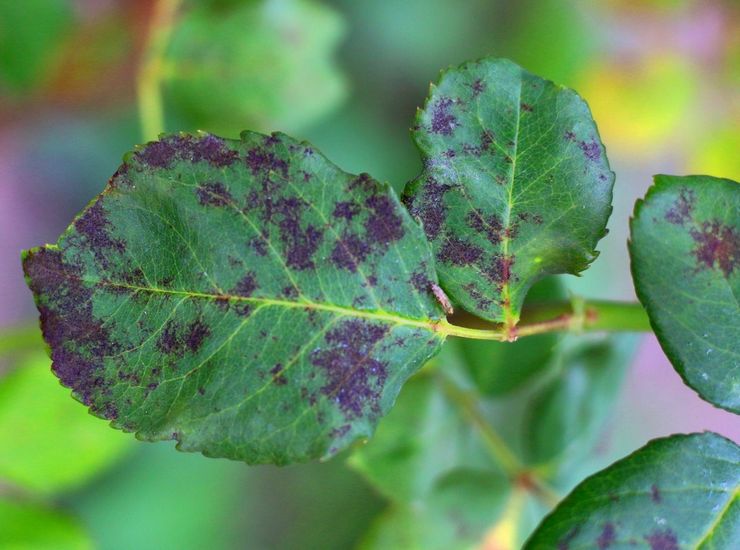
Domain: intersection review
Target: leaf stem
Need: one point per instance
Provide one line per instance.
(20, 338)
(576, 315)
(149, 80)
(520, 475)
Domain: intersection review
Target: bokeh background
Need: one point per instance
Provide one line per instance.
(662, 78)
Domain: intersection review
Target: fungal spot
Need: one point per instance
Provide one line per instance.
(662, 540)
(78, 340)
(277, 375)
(349, 251)
(717, 244)
(443, 121)
(480, 299)
(201, 390)
(457, 251)
(213, 194)
(591, 150)
(354, 379)
(300, 243)
(569, 136)
(499, 270)
(527, 108)
(209, 148)
(478, 87)
(290, 292)
(157, 154)
(655, 495)
(94, 226)
(490, 228)
(681, 210)
(428, 206)
(259, 245)
(176, 340)
(246, 285)
(564, 543)
(363, 182)
(341, 431)
(607, 537)
(260, 161)
(346, 210)
(383, 225)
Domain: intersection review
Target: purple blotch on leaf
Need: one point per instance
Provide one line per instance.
(662, 540)
(443, 121)
(213, 194)
(681, 210)
(607, 537)
(457, 251)
(717, 244)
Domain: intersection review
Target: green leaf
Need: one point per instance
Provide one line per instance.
(501, 367)
(423, 438)
(246, 298)
(261, 65)
(26, 526)
(676, 492)
(685, 248)
(31, 33)
(566, 415)
(515, 186)
(462, 506)
(50, 443)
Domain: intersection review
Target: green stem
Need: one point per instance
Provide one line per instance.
(149, 82)
(577, 315)
(20, 338)
(519, 474)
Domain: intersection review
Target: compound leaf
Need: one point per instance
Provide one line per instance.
(676, 492)
(515, 186)
(685, 248)
(244, 297)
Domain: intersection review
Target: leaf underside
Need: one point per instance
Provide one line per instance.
(244, 297)
(677, 492)
(515, 186)
(685, 248)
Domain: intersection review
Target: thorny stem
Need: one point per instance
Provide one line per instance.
(149, 81)
(520, 475)
(576, 315)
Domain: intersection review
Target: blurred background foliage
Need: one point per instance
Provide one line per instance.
(662, 78)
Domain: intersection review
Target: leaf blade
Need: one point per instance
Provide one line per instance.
(643, 498)
(246, 298)
(684, 246)
(485, 133)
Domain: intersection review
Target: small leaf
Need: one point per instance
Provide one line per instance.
(516, 184)
(676, 492)
(566, 415)
(685, 248)
(246, 298)
(30, 526)
(50, 443)
(501, 367)
(258, 65)
(456, 514)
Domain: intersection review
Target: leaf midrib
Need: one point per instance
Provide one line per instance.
(427, 324)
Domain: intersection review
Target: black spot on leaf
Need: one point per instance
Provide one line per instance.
(681, 210)
(246, 285)
(383, 225)
(591, 150)
(607, 537)
(349, 251)
(346, 210)
(662, 540)
(443, 121)
(457, 251)
(429, 206)
(213, 194)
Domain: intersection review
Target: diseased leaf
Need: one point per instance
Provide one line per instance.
(49, 443)
(29, 526)
(676, 492)
(515, 186)
(260, 64)
(246, 298)
(685, 249)
(501, 367)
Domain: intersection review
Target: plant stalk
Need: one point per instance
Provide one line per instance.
(149, 81)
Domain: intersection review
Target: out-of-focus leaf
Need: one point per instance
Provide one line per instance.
(26, 526)
(676, 492)
(424, 437)
(260, 65)
(516, 185)
(566, 415)
(30, 33)
(498, 367)
(685, 251)
(456, 514)
(244, 297)
(49, 443)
